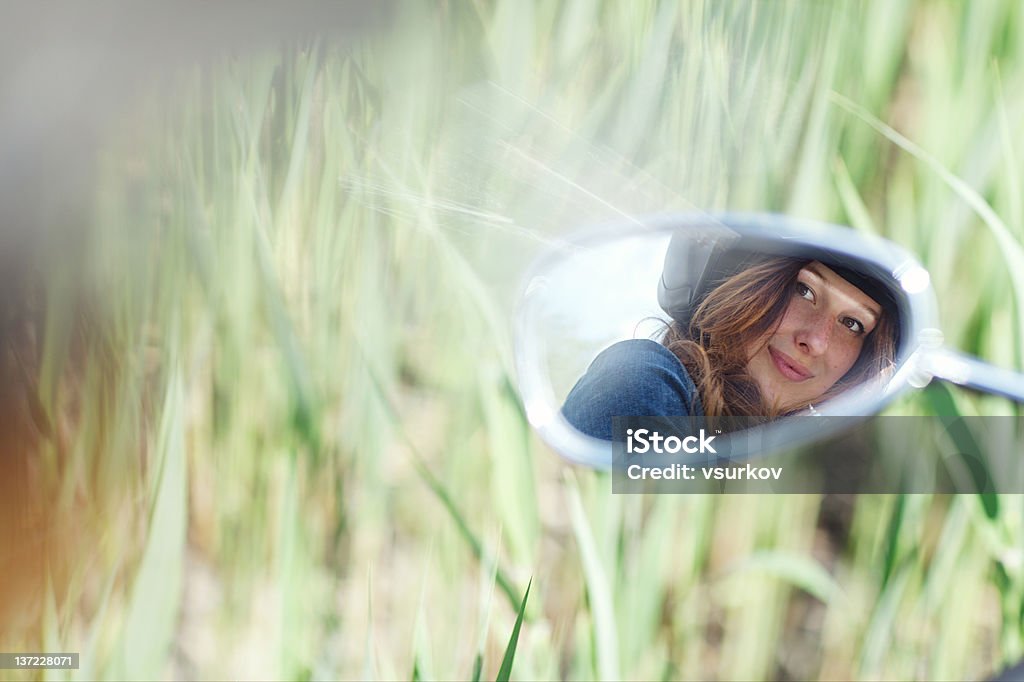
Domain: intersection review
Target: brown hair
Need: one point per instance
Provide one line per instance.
(739, 312)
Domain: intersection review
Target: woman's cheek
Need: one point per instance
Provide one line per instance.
(847, 356)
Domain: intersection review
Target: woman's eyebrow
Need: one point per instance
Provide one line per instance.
(873, 312)
(814, 271)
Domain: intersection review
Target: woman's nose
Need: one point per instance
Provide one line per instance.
(813, 336)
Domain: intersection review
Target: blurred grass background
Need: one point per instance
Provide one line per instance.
(285, 440)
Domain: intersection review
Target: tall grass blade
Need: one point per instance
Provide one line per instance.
(88, 664)
(512, 467)
(510, 651)
(442, 494)
(369, 672)
(156, 591)
(1011, 249)
(300, 135)
(799, 571)
(488, 579)
(478, 667)
(1013, 173)
(941, 400)
(52, 636)
(853, 205)
(438, 488)
(892, 540)
(599, 588)
(423, 659)
(878, 639)
(291, 577)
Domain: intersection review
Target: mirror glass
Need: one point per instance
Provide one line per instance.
(756, 317)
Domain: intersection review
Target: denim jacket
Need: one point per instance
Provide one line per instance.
(635, 378)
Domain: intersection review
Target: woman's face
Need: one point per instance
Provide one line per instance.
(818, 340)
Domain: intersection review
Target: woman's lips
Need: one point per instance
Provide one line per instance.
(788, 367)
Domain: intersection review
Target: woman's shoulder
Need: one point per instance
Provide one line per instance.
(638, 353)
(631, 378)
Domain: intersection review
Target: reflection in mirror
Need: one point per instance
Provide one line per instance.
(751, 334)
(717, 320)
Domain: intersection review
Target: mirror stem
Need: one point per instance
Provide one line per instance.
(972, 373)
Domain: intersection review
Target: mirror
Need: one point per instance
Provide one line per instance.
(753, 317)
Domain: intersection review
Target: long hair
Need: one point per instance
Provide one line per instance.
(739, 312)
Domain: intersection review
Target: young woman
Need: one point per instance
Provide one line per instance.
(775, 339)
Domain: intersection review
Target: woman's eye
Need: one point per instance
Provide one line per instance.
(854, 325)
(804, 291)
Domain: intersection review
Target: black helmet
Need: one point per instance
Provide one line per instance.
(697, 262)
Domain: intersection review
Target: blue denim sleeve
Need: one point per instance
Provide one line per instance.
(635, 378)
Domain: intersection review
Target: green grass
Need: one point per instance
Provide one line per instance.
(289, 446)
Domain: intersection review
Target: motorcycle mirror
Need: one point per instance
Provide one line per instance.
(646, 278)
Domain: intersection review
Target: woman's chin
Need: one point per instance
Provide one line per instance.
(782, 403)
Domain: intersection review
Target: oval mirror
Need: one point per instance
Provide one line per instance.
(746, 319)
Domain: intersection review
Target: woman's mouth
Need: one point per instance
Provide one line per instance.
(788, 367)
